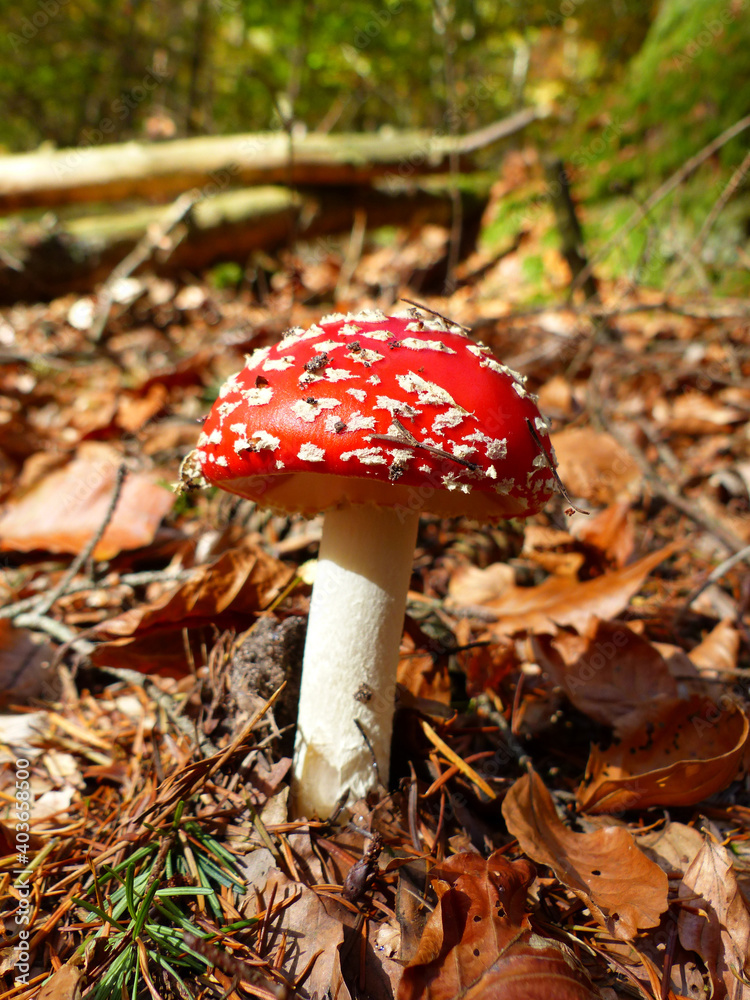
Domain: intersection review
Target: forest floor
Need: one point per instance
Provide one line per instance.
(569, 804)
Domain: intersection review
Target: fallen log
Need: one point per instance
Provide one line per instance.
(161, 171)
(79, 254)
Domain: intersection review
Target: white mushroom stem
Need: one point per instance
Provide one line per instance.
(351, 654)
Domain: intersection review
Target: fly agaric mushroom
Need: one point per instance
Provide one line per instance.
(370, 419)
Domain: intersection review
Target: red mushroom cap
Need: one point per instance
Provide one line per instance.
(368, 409)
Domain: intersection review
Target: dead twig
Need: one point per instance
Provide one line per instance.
(57, 630)
(141, 252)
(127, 579)
(716, 574)
(84, 555)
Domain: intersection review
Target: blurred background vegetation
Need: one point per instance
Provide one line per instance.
(630, 90)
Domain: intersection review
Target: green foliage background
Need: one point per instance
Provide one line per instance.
(233, 65)
(631, 89)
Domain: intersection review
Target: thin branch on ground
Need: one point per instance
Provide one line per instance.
(743, 555)
(141, 252)
(46, 602)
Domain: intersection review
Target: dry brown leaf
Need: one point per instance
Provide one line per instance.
(65, 984)
(719, 649)
(308, 930)
(477, 943)
(610, 532)
(136, 409)
(688, 751)
(161, 637)
(550, 548)
(562, 601)
(24, 664)
(698, 413)
(243, 579)
(594, 466)
(556, 397)
(487, 666)
(471, 585)
(623, 889)
(672, 847)
(63, 510)
(717, 925)
(608, 673)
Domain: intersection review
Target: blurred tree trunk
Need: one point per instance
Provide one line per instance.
(228, 226)
(195, 111)
(162, 171)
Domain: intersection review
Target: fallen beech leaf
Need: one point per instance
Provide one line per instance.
(136, 409)
(689, 750)
(717, 926)
(672, 847)
(487, 666)
(550, 548)
(608, 673)
(306, 923)
(472, 585)
(65, 984)
(593, 465)
(477, 942)
(698, 413)
(24, 664)
(162, 636)
(719, 650)
(167, 652)
(556, 394)
(63, 510)
(243, 578)
(623, 889)
(610, 532)
(562, 601)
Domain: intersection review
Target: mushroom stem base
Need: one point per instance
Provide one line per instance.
(351, 655)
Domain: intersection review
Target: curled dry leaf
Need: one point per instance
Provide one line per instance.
(698, 413)
(136, 409)
(63, 510)
(672, 846)
(488, 665)
(551, 548)
(610, 532)
(717, 925)
(610, 673)
(477, 942)
(243, 579)
(153, 637)
(562, 601)
(719, 649)
(623, 889)
(688, 751)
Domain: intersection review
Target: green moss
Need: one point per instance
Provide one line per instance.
(687, 84)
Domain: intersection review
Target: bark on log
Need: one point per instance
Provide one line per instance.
(229, 226)
(161, 171)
